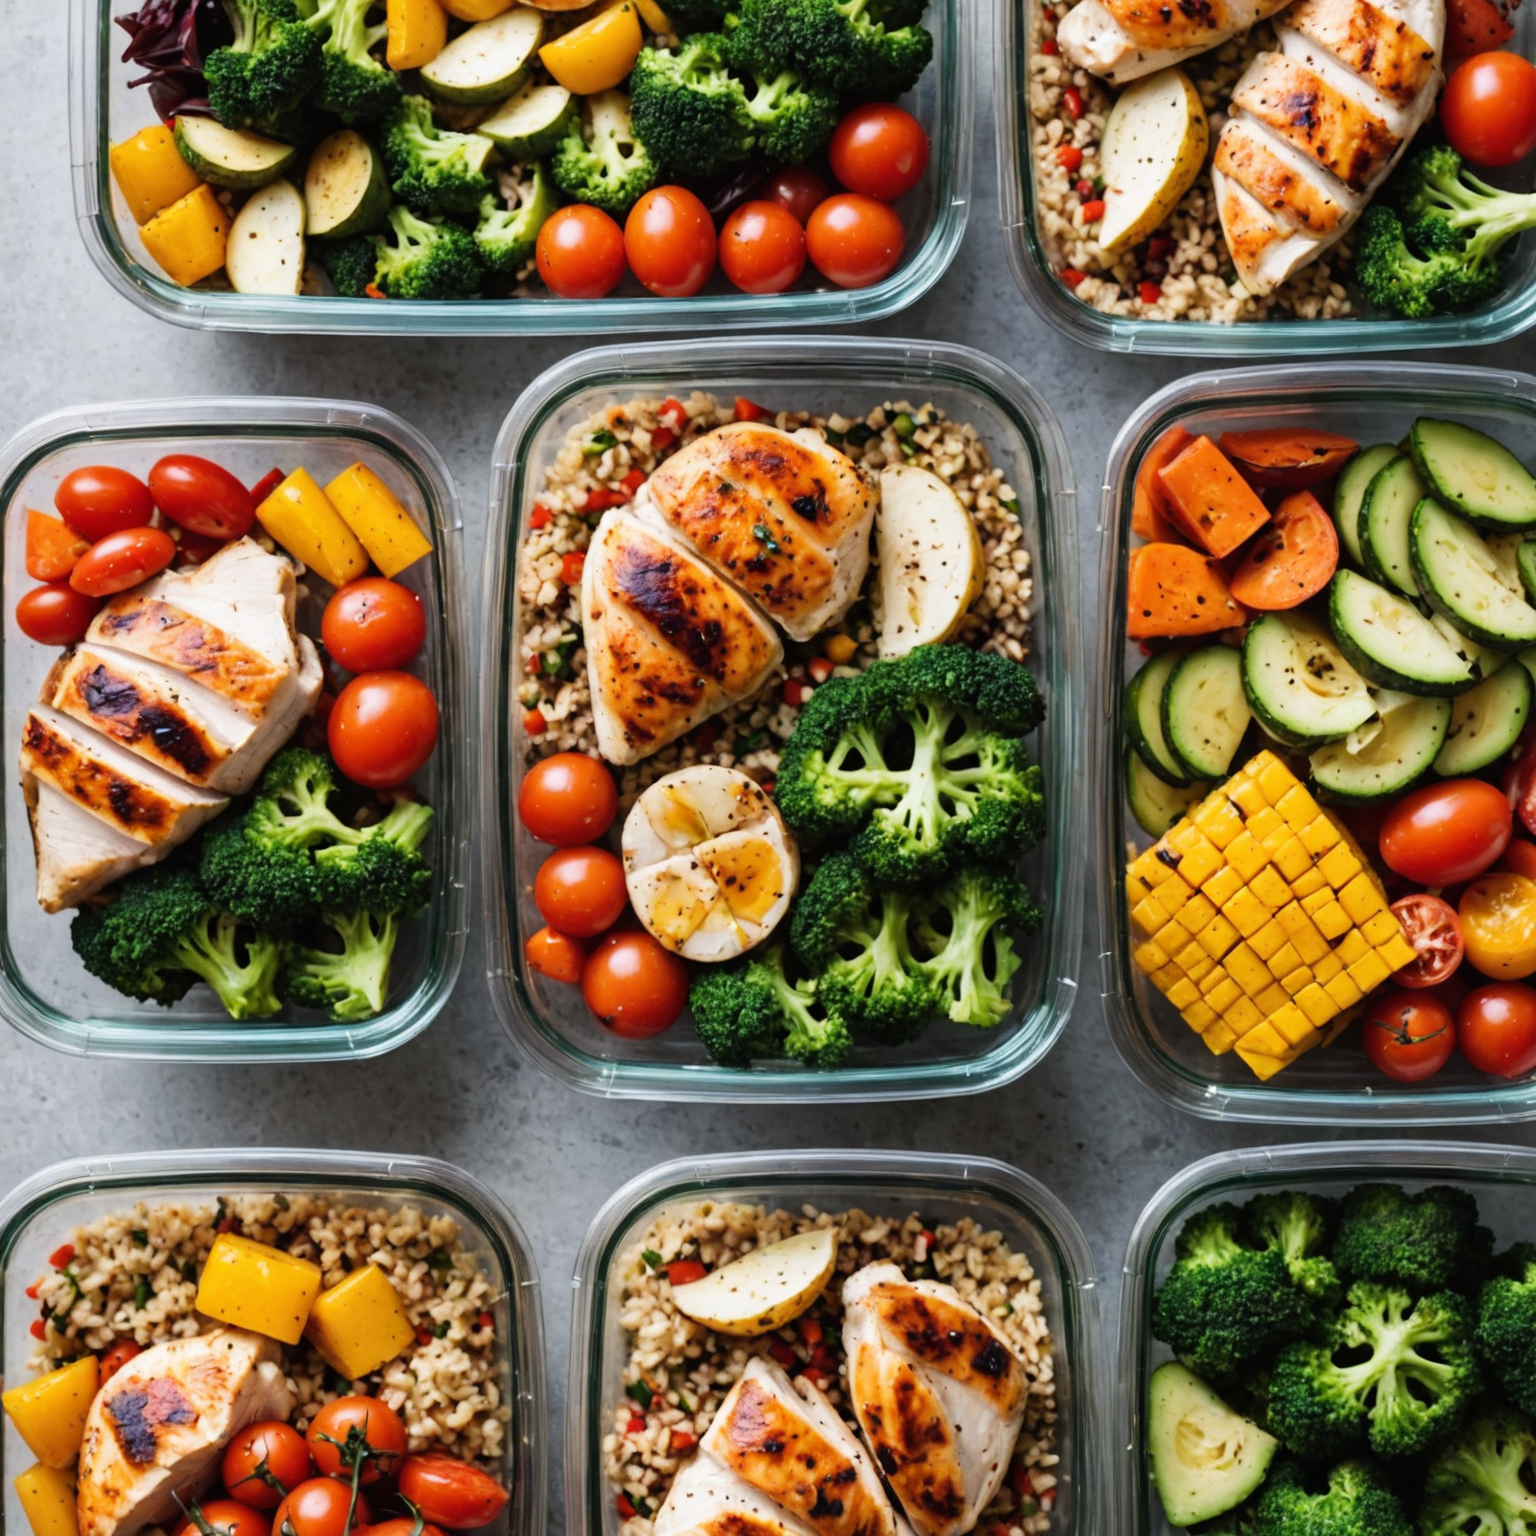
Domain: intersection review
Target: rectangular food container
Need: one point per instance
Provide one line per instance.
(550, 1021)
(1503, 1179)
(1506, 314)
(103, 111)
(1372, 403)
(40, 1214)
(946, 1188)
(44, 990)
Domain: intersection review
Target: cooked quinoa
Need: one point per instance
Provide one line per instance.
(687, 1371)
(134, 1276)
(552, 685)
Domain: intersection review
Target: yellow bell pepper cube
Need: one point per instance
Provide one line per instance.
(359, 1324)
(301, 517)
(49, 1413)
(252, 1285)
(373, 512)
(417, 32)
(150, 172)
(47, 1499)
(477, 10)
(597, 55)
(189, 239)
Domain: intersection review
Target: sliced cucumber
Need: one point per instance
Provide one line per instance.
(1516, 557)
(1300, 685)
(1388, 754)
(530, 125)
(1390, 498)
(1471, 473)
(231, 157)
(346, 189)
(266, 242)
(1349, 493)
(1389, 642)
(489, 61)
(1156, 805)
(1144, 717)
(1486, 722)
(1205, 714)
(1461, 579)
(1483, 660)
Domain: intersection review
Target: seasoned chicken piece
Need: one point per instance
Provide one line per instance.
(158, 1427)
(938, 1392)
(1125, 39)
(669, 643)
(785, 515)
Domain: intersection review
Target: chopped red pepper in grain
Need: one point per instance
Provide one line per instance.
(571, 564)
(750, 410)
(1150, 292)
(62, 1256)
(662, 439)
(1072, 102)
(1049, 47)
(1094, 211)
(534, 722)
(1072, 277)
(1069, 157)
(540, 517)
(819, 668)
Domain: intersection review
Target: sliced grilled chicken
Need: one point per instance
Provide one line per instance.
(669, 643)
(158, 1428)
(784, 514)
(1125, 39)
(1318, 126)
(938, 1393)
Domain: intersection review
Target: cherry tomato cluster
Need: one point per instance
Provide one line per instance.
(853, 238)
(630, 982)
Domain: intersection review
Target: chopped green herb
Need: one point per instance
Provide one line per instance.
(685, 1403)
(556, 662)
(761, 534)
(140, 1237)
(745, 744)
(858, 434)
(903, 426)
(641, 1393)
(600, 441)
(1012, 504)
(642, 1507)
(337, 1382)
(60, 1314)
(652, 1258)
(441, 1331)
(142, 1293)
(280, 1202)
(440, 1261)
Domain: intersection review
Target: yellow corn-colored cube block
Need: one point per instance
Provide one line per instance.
(1310, 944)
(1219, 1038)
(1196, 912)
(1193, 961)
(1275, 779)
(1270, 888)
(1149, 914)
(1246, 913)
(1150, 957)
(252, 1285)
(1223, 996)
(1217, 977)
(1218, 936)
(1247, 797)
(1266, 1039)
(1272, 999)
(1264, 1066)
(359, 1324)
(1291, 919)
(1267, 940)
(1184, 837)
(1247, 970)
(49, 1411)
(1297, 807)
(1199, 1017)
(1263, 825)
(1315, 902)
(1293, 981)
(1307, 881)
(1218, 820)
(1172, 937)
(1244, 1015)
(150, 172)
(375, 514)
(1315, 1002)
(1183, 992)
(301, 517)
(1328, 967)
(1223, 885)
(1169, 976)
(1291, 858)
(1285, 959)
(1319, 835)
(1397, 952)
(1343, 990)
(47, 1499)
(1360, 899)
(1352, 947)
(1246, 856)
(1339, 866)
(1150, 869)
(1201, 862)
(1369, 973)
(1332, 921)
(1379, 927)
(1136, 889)
(189, 239)
(1292, 1025)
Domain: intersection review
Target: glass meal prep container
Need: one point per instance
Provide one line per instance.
(1506, 314)
(104, 111)
(1371, 403)
(45, 1211)
(551, 1021)
(1502, 1178)
(44, 990)
(942, 1187)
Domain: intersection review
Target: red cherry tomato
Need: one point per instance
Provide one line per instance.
(568, 799)
(1496, 1029)
(879, 150)
(55, 614)
(373, 624)
(556, 955)
(762, 248)
(854, 241)
(669, 239)
(264, 1463)
(122, 560)
(634, 986)
(383, 728)
(798, 190)
(226, 1518)
(580, 891)
(403, 1525)
(451, 1492)
(1434, 930)
(202, 496)
(1488, 109)
(1519, 858)
(337, 1434)
(580, 253)
(319, 1508)
(1408, 1035)
(102, 500)
(117, 1356)
(1446, 833)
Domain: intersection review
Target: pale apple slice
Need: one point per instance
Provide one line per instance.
(764, 1289)
(1154, 145)
(931, 562)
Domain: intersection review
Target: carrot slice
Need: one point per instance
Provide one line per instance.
(1149, 517)
(1475, 26)
(1285, 459)
(1175, 590)
(53, 549)
(1293, 557)
(1209, 500)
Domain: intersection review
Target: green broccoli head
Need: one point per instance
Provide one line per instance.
(966, 930)
(255, 876)
(428, 259)
(1481, 1481)
(1395, 278)
(351, 264)
(292, 807)
(1353, 1498)
(434, 170)
(858, 48)
(692, 15)
(1506, 1326)
(601, 161)
(349, 983)
(261, 78)
(792, 118)
(687, 109)
(1420, 1241)
(354, 85)
(376, 874)
(511, 217)
(1297, 1226)
(751, 1011)
(134, 971)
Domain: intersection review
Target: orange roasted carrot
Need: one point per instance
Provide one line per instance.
(1175, 590)
(1293, 557)
(53, 548)
(1288, 459)
(1209, 500)
(1149, 518)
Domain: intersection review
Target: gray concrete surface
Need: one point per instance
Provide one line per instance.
(1080, 1122)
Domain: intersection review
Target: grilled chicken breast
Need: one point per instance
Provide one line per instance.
(1125, 39)
(937, 1391)
(785, 515)
(669, 643)
(1318, 126)
(159, 1426)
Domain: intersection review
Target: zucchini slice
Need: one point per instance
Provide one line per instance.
(1483, 660)
(1205, 714)
(1461, 578)
(1155, 804)
(1349, 493)
(1386, 755)
(1516, 557)
(266, 242)
(1384, 517)
(489, 61)
(1144, 717)
(1472, 474)
(346, 190)
(1486, 722)
(231, 157)
(1300, 686)
(1390, 643)
(530, 125)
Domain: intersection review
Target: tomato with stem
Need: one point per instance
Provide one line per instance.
(1434, 930)
(222, 1517)
(265, 1462)
(1408, 1036)
(451, 1492)
(322, 1506)
(360, 1436)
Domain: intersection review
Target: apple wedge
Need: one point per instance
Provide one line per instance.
(931, 561)
(1154, 145)
(763, 1289)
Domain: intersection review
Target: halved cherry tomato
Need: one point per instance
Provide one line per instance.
(202, 496)
(1519, 858)
(383, 728)
(1293, 557)
(55, 614)
(224, 1517)
(1408, 1035)
(555, 955)
(265, 1462)
(1496, 1029)
(568, 799)
(103, 499)
(634, 986)
(1498, 925)
(53, 547)
(685, 1271)
(669, 240)
(798, 190)
(1488, 109)
(122, 560)
(319, 1508)
(353, 1431)
(1434, 930)
(762, 248)
(580, 253)
(580, 891)
(1446, 833)
(451, 1492)
(854, 241)
(117, 1356)
(879, 150)
(373, 624)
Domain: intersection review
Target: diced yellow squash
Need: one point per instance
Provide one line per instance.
(1267, 941)
(359, 1324)
(1310, 944)
(1218, 819)
(1293, 981)
(1319, 835)
(1247, 970)
(252, 1285)
(1172, 937)
(1298, 810)
(1219, 1038)
(373, 512)
(1167, 978)
(1243, 1015)
(1150, 915)
(1194, 962)
(1200, 1016)
(1183, 993)
(300, 516)
(1352, 947)
(1285, 959)
(597, 55)
(1218, 936)
(417, 32)
(1343, 991)
(1275, 779)
(1197, 911)
(1315, 903)
(47, 1499)
(1378, 927)
(49, 1413)
(1369, 972)
(477, 10)
(189, 239)
(150, 172)
(1200, 861)
(1222, 997)
(1264, 825)
(1332, 921)
(1272, 999)
(1316, 1004)
(1149, 868)
(1149, 957)
(1223, 885)
(1246, 913)
(1247, 796)
(1339, 866)
(1246, 855)
(1309, 880)
(1397, 952)
(1327, 968)
(1270, 888)
(1291, 858)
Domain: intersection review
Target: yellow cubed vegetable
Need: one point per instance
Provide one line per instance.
(1263, 825)
(1246, 856)
(1318, 1006)
(1200, 862)
(1272, 999)
(1200, 1017)
(1172, 937)
(150, 172)
(1398, 952)
(1343, 991)
(1183, 993)
(1194, 962)
(373, 512)
(1293, 981)
(1270, 887)
(1149, 957)
(1218, 936)
(1285, 959)
(1352, 947)
(1297, 808)
(1370, 972)
(1243, 1015)
(251, 1285)
(1320, 835)
(1328, 967)
(47, 1499)
(1315, 903)
(1246, 913)
(1175, 894)
(477, 10)
(1309, 880)
(1223, 885)
(300, 516)
(1170, 976)
(1310, 944)
(1197, 911)
(1267, 940)
(1332, 921)
(1222, 997)
(1150, 869)
(49, 1413)
(597, 55)
(1218, 819)
(1339, 866)
(1247, 970)
(1275, 779)
(1362, 902)
(1136, 889)
(190, 237)
(1219, 1038)
(1291, 858)
(418, 32)
(1248, 797)
(360, 1324)
(1150, 915)
(1378, 927)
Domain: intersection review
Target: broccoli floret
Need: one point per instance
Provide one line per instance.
(1297, 1227)
(966, 930)
(428, 259)
(350, 983)
(260, 79)
(350, 264)
(382, 870)
(687, 109)
(95, 939)
(1414, 283)
(292, 808)
(509, 226)
(600, 160)
(434, 170)
(1224, 1304)
(354, 85)
(791, 118)
(251, 873)
(1481, 1481)
(1356, 1499)
(859, 48)
(1419, 1241)
(751, 1011)
(1506, 1326)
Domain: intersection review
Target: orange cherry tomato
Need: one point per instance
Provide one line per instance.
(555, 955)
(451, 1492)
(225, 1517)
(580, 891)
(1408, 1035)
(669, 239)
(1434, 930)
(637, 988)
(103, 499)
(383, 728)
(879, 150)
(203, 497)
(1498, 925)
(122, 560)
(1488, 109)
(1496, 1029)
(1446, 833)
(117, 1356)
(798, 190)
(854, 241)
(319, 1508)
(264, 1463)
(345, 1428)
(762, 248)
(580, 253)
(53, 547)
(568, 799)
(373, 624)
(55, 614)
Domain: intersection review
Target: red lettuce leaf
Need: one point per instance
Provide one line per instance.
(171, 38)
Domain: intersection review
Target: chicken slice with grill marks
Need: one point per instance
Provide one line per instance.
(938, 1392)
(1125, 39)
(785, 515)
(669, 643)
